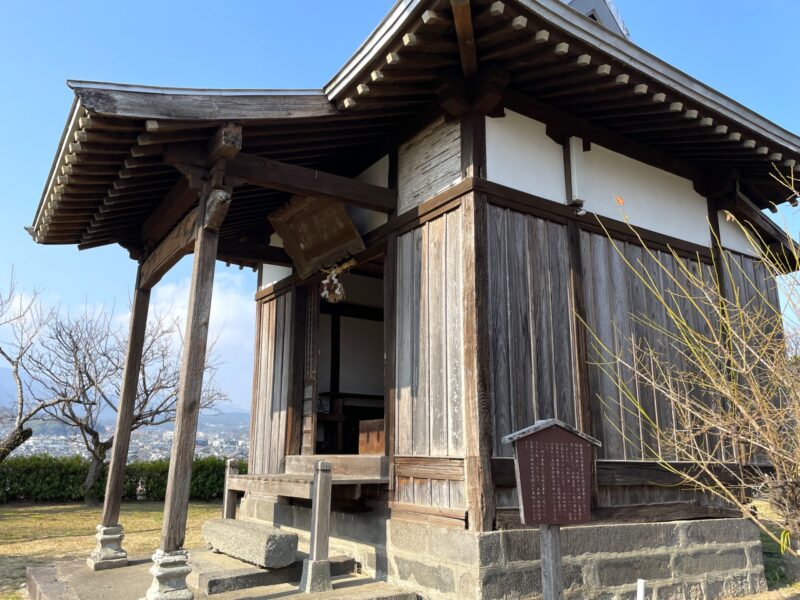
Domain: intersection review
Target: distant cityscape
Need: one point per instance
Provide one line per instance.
(224, 436)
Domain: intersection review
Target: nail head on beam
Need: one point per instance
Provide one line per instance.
(640, 90)
(676, 107)
(541, 36)
(562, 48)
(659, 98)
(622, 79)
(604, 70)
(584, 60)
(519, 23)
(497, 8)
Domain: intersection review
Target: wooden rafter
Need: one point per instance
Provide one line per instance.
(462, 18)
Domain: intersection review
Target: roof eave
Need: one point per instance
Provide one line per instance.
(69, 130)
(594, 34)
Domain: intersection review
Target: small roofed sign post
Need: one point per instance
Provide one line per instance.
(553, 464)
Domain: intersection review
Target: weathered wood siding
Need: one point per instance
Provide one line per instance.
(429, 355)
(529, 321)
(310, 384)
(428, 164)
(268, 418)
(623, 315)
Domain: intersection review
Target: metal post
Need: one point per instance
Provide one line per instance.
(316, 568)
(552, 578)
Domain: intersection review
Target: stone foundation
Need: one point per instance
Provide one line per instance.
(682, 560)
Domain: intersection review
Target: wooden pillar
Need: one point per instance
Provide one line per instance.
(550, 549)
(316, 568)
(170, 560)
(108, 552)
(229, 496)
(477, 381)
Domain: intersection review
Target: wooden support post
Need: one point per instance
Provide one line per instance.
(477, 381)
(109, 553)
(170, 560)
(229, 497)
(550, 547)
(317, 568)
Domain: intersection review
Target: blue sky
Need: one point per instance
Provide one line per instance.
(744, 49)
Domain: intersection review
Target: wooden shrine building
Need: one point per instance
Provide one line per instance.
(464, 162)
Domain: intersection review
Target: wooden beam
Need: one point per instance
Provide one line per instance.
(180, 240)
(172, 248)
(251, 251)
(263, 172)
(164, 103)
(462, 17)
(176, 503)
(226, 143)
(176, 202)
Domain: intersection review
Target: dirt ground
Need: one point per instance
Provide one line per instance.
(32, 534)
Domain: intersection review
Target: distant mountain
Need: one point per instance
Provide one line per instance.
(225, 419)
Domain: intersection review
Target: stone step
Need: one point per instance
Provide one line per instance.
(214, 573)
(252, 542)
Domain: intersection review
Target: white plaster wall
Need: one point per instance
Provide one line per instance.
(521, 156)
(733, 238)
(376, 174)
(653, 199)
(361, 368)
(273, 273)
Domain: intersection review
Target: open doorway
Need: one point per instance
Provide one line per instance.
(350, 379)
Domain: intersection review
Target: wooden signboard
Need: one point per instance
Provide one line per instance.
(553, 464)
(316, 233)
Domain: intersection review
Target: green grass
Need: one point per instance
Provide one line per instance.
(35, 534)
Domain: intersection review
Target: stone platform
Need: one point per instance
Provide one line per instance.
(73, 580)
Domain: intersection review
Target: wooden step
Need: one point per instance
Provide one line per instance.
(294, 485)
(344, 465)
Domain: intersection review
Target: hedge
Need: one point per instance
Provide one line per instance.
(43, 478)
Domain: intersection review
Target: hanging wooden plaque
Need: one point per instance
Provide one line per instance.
(316, 233)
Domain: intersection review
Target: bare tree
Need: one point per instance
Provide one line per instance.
(730, 373)
(80, 360)
(22, 318)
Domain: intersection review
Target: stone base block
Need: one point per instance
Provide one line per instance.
(251, 542)
(316, 576)
(218, 573)
(169, 573)
(108, 554)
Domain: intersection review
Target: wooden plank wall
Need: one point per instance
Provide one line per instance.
(622, 315)
(529, 319)
(429, 419)
(268, 419)
(428, 163)
(310, 375)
